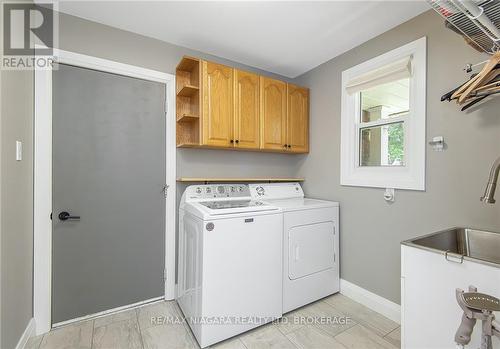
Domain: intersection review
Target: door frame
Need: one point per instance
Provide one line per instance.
(42, 163)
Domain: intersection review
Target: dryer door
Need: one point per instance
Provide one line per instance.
(310, 249)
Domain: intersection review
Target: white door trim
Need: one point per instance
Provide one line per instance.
(42, 269)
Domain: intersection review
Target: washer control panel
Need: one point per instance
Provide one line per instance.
(275, 191)
(210, 191)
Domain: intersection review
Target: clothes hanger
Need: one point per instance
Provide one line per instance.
(486, 94)
(462, 88)
(492, 86)
(479, 96)
(474, 102)
(482, 77)
(448, 96)
(474, 77)
(493, 83)
(493, 80)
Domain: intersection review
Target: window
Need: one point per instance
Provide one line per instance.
(383, 120)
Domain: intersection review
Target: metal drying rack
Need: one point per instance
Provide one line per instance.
(478, 21)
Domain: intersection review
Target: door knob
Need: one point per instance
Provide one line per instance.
(64, 216)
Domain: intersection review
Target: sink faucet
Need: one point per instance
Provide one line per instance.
(489, 193)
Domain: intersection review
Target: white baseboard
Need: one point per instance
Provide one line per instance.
(371, 300)
(29, 332)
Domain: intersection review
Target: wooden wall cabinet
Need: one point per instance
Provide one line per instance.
(273, 114)
(222, 107)
(218, 106)
(285, 116)
(298, 119)
(246, 110)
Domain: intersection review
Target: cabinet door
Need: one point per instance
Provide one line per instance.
(298, 119)
(273, 114)
(247, 110)
(217, 104)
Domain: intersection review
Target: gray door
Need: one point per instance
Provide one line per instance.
(109, 169)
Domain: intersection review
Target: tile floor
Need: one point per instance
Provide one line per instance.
(305, 328)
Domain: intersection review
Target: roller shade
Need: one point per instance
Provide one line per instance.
(398, 70)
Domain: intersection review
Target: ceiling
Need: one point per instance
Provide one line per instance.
(287, 38)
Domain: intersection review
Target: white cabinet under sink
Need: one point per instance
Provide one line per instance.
(430, 314)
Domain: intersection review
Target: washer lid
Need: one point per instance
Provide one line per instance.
(227, 209)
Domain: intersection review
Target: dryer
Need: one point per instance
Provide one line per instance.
(230, 261)
(310, 243)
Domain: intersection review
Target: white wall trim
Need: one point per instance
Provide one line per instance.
(42, 292)
(29, 332)
(371, 300)
(108, 312)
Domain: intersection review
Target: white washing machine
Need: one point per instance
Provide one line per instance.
(230, 261)
(310, 243)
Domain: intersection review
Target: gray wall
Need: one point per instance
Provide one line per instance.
(95, 39)
(371, 229)
(91, 38)
(16, 205)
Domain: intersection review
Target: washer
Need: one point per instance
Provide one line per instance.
(310, 243)
(230, 261)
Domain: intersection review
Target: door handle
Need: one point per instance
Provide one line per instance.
(64, 216)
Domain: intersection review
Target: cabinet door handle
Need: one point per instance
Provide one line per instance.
(231, 141)
(289, 146)
(237, 141)
(284, 145)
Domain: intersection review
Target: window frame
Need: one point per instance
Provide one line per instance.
(412, 175)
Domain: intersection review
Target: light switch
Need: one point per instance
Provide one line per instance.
(19, 150)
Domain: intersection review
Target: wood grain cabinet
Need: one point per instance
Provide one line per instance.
(222, 107)
(273, 114)
(246, 110)
(298, 119)
(218, 108)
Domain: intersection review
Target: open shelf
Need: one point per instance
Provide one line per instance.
(188, 101)
(188, 91)
(187, 118)
(188, 64)
(188, 145)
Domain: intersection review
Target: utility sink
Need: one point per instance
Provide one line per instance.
(466, 243)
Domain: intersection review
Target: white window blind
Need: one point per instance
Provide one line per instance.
(398, 70)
